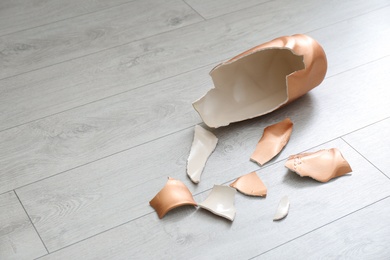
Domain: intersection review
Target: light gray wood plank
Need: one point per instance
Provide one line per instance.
(373, 142)
(361, 235)
(210, 9)
(18, 238)
(83, 35)
(67, 140)
(104, 194)
(190, 233)
(16, 15)
(353, 40)
(44, 92)
(76, 137)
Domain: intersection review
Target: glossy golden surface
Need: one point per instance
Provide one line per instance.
(302, 81)
(322, 166)
(262, 79)
(274, 138)
(173, 195)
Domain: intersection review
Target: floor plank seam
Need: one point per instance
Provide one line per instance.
(39, 235)
(204, 191)
(358, 129)
(154, 82)
(97, 234)
(113, 154)
(229, 13)
(111, 228)
(365, 158)
(145, 38)
(172, 76)
(104, 157)
(350, 18)
(329, 223)
(193, 9)
(359, 66)
(102, 50)
(104, 98)
(68, 18)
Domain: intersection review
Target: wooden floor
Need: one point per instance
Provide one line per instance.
(96, 112)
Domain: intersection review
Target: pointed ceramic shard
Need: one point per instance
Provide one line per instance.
(250, 184)
(283, 208)
(262, 79)
(322, 166)
(173, 195)
(274, 138)
(203, 145)
(221, 202)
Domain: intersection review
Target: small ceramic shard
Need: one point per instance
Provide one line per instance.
(250, 184)
(282, 209)
(203, 145)
(221, 202)
(262, 79)
(322, 165)
(274, 138)
(174, 194)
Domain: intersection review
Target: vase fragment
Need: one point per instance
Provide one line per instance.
(262, 79)
(322, 165)
(174, 194)
(220, 202)
(274, 138)
(250, 184)
(282, 209)
(203, 145)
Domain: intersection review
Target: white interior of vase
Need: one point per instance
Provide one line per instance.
(249, 86)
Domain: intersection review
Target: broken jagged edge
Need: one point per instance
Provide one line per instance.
(250, 184)
(274, 139)
(203, 145)
(220, 202)
(262, 79)
(322, 165)
(174, 194)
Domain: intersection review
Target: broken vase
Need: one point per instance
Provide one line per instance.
(282, 210)
(262, 79)
(173, 195)
(322, 165)
(203, 145)
(221, 202)
(250, 184)
(274, 138)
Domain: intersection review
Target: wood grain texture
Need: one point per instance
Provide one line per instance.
(83, 35)
(18, 239)
(57, 88)
(107, 193)
(373, 142)
(76, 137)
(59, 143)
(17, 15)
(210, 9)
(190, 233)
(361, 235)
(87, 142)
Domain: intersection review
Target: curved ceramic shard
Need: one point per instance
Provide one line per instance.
(173, 195)
(203, 145)
(250, 184)
(322, 165)
(283, 208)
(274, 138)
(221, 202)
(262, 79)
